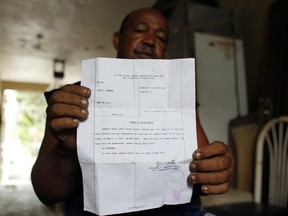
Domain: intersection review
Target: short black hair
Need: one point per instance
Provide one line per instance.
(124, 21)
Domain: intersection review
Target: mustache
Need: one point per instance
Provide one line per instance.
(146, 51)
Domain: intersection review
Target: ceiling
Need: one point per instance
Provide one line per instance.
(35, 32)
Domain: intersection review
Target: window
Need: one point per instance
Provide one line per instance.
(23, 125)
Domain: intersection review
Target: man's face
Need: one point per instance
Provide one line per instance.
(145, 36)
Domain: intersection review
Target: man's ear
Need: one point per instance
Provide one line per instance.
(115, 40)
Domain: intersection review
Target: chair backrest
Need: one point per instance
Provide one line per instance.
(243, 132)
(272, 157)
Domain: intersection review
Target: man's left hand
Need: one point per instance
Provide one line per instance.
(212, 167)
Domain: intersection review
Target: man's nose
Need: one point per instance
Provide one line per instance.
(149, 40)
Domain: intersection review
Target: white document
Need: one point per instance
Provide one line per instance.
(136, 145)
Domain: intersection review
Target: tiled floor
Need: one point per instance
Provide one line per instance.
(21, 201)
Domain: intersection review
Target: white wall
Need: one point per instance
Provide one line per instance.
(221, 89)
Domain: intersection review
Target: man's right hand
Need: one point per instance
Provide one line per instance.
(66, 108)
(56, 173)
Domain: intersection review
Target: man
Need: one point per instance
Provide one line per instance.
(56, 175)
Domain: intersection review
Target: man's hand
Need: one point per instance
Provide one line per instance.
(212, 167)
(56, 173)
(66, 108)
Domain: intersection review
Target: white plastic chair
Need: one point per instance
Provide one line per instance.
(274, 135)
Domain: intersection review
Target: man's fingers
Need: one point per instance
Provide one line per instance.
(215, 189)
(71, 94)
(76, 89)
(68, 98)
(59, 110)
(66, 108)
(211, 150)
(64, 130)
(211, 165)
(58, 124)
(209, 178)
(211, 183)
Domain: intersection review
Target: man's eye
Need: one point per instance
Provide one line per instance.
(139, 30)
(162, 39)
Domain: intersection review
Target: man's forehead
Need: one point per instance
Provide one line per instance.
(148, 17)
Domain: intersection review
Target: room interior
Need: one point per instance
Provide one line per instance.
(42, 44)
